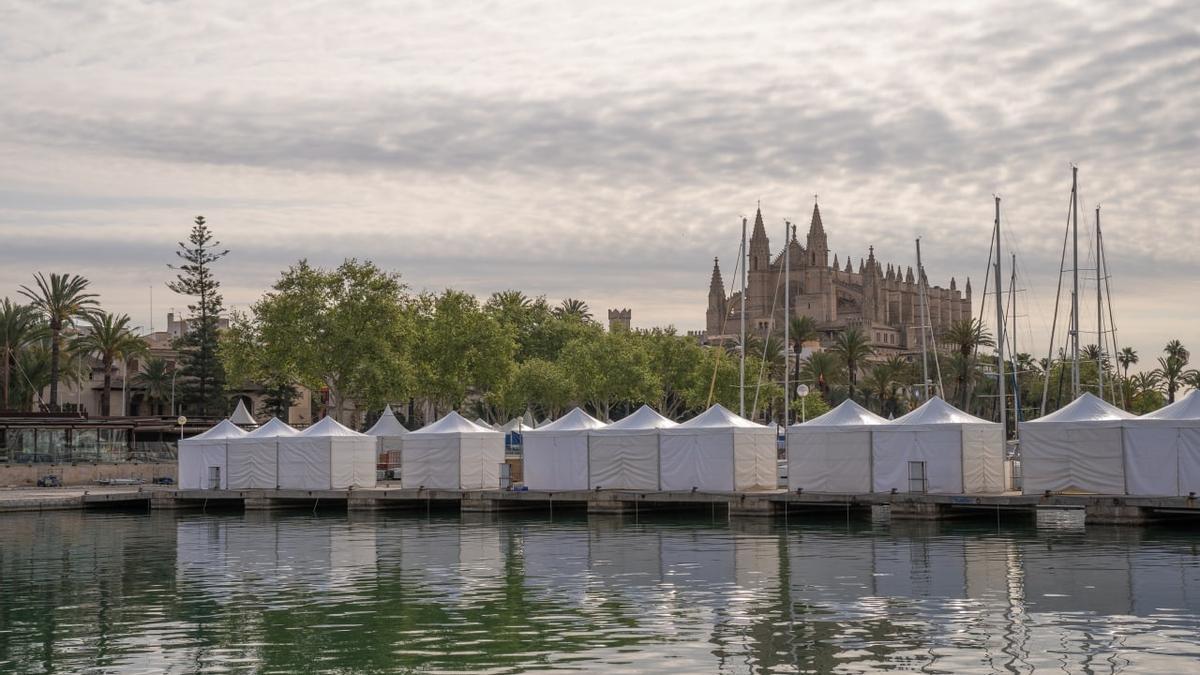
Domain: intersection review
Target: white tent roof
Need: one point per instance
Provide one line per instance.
(387, 425)
(241, 416)
(222, 430)
(644, 418)
(937, 411)
(848, 413)
(719, 417)
(513, 425)
(274, 427)
(1186, 408)
(453, 423)
(1086, 408)
(576, 420)
(329, 427)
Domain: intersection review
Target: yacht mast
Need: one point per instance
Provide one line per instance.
(921, 300)
(742, 345)
(787, 317)
(1074, 282)
(1100, 359)
(1000, 329)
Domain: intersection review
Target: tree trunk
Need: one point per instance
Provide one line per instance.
(5, 368)
(106, 392)
(54, 352)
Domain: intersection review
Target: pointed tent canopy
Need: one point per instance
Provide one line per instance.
(483, 423)
(329, 427)
(387, 425)
(543, 423)
(1086, 408)
(515, 424)
(936, 411)
(222, 430)
(274, 427)
(527, 419)
(847, 413)
(453, 423)
(644, 418)
(1186, 408)
(576, 420)
(719, 417)
(241, 416)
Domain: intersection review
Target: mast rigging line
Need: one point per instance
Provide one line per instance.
(712, 385)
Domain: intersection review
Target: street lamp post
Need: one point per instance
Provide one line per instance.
(802, 392)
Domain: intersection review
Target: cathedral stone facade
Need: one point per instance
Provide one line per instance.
(878, 299)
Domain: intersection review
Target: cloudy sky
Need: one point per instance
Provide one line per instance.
(604, 151)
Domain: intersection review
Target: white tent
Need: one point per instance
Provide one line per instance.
(452, 453)
(1162, 449)
(241, 416)
(556, 455)
(832, 453)
(203, 459)
(940, 448)
(327, 456)
(254, 457)
(1077, 448)
(389, 436)
(624, 454)
(719, 451)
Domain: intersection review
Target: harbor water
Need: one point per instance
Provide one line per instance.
(303, 592)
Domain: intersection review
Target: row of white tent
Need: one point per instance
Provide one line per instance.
(450, 453)
(1091, 446)
(1087, 446)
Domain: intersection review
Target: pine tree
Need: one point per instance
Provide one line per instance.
(203, 375)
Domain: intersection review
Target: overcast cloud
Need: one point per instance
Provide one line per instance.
(598, 150)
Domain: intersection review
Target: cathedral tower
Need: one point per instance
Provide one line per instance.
(718, 308)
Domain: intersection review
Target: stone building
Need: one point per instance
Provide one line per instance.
(880, 299)
(619, 320)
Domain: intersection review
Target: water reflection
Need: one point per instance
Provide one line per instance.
(279, 592)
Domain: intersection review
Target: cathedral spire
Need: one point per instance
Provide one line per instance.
(908, 276)
(835, 261)
(717, 284)
(817, 242)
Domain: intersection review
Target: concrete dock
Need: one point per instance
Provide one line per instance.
(1098, 509)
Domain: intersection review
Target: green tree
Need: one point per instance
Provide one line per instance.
(155, 378)
(675, 362)
(801, 329)
(573, 308)
(109, 338)
(461, 349)
(203, 380)
(60, 300)
(535, 384)
(348, 330)
(965, 337)
(1171, 371)
(822, 370)
(19, 327)
(610, 369)
(279, 395)
(853, 347)
(1128, 356)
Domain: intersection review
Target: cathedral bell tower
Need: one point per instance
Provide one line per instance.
(718, 308)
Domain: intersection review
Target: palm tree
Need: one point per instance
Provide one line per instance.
(1176, 349)
(1091, 353)
(572, 308)
(1128, 356)
(801, 329)
(966, 336)
(60, 300)
(883, 381)
(1170, 372)
(852, 346)
(108, 339)
(156, 379)
(822, 369)
(18, 328)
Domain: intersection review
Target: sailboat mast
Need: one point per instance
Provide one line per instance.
(742, 345)
(1016, 366)
(921, 300)
(1099, 315)
(1074, 282)
(1000, 328)
(787, 317)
